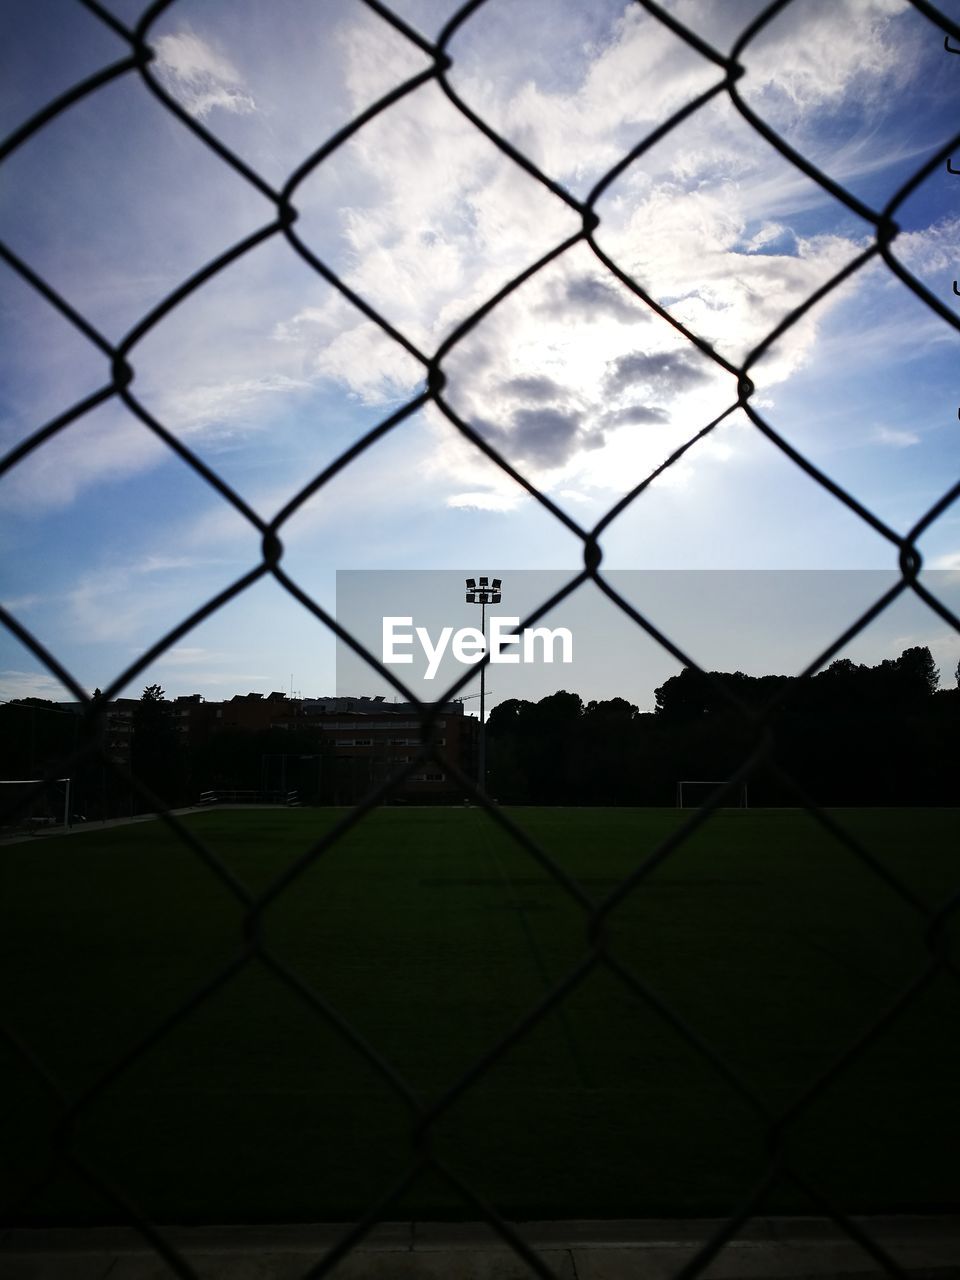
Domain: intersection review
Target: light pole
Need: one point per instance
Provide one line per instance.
(482, 591)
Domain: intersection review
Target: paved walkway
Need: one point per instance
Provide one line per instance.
(77, 828)
(767, 1249)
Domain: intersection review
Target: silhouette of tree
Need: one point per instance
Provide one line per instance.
(506, 716)
(155, 758)
(918, 675)
(612, 711)
(684, 697)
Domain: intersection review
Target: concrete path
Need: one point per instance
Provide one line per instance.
(77, 828)
(767, 1249)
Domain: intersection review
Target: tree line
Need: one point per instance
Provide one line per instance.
(851, 734)
(37, 734)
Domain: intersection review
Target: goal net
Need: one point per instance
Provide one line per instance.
(693, 793)
(32, 804)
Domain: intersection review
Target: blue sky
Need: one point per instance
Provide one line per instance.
(266, 374)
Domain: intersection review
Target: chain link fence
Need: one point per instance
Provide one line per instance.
(120, 385)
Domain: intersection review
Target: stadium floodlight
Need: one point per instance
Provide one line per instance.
(486, 592)
(482, 591)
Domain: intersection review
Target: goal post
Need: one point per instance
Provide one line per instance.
(693, 792)
(34, 803)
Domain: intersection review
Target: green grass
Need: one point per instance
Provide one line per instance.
(433, 934)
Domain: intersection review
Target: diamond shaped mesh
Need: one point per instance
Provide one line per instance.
(120, 385)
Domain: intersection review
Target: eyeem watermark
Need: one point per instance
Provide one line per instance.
(467, 645)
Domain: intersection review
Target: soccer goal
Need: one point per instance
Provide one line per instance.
(693, 793)
(24, 806)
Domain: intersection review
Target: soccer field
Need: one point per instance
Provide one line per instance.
(433, 934)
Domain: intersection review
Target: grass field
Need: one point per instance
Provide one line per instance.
(433, 933)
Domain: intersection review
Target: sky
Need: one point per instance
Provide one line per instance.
(758, 621)
(266, 374)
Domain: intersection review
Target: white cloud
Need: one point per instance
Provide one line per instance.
(32, 684)
(932, 250)
(224, 412)
(824, 52)
(639, 75)
(231, 679)
(138, 600)
(702, 223)
(183, 656)
(199, 77)
(375, 58)
(107, 444)
(335, 343)
(768, 235)
(895, 438)
(379, 481)
(20, 604)
(485, 500)
(162, 563)
(433, 220)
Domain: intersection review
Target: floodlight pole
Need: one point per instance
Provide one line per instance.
(483, 592)
(482, 745)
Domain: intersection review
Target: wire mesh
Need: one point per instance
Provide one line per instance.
(120, 385)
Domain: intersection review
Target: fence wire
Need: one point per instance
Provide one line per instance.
(120, 385)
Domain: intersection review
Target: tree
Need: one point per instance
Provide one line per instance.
(557, 711)
(612, 711)
(155, 758)
(917, 675)
(686, 696)
(507, 715)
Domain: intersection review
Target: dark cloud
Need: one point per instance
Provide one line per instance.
(541, 437)
(664, 372)
(636, 415)
(473, 356)
(538, 388)
(606, 297)
(588, 296)
(547, 437)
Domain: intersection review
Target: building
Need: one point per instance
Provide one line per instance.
(197, 719)
(369, 739)
(361, 742)
(339, 747)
